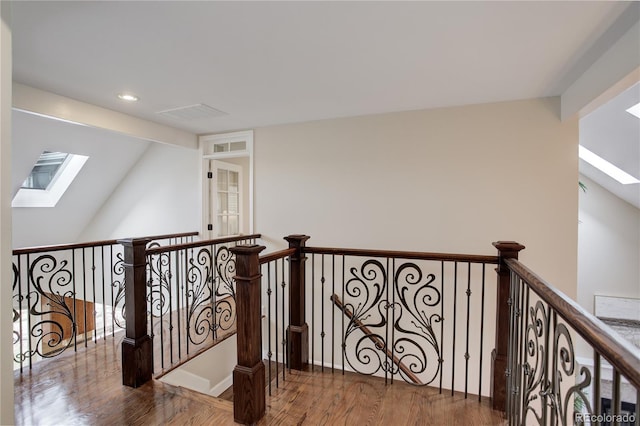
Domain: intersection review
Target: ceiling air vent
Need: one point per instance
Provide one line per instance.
(192, 112)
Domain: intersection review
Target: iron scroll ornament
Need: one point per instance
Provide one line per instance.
(544, 399)
(50, 287)
(400, 321)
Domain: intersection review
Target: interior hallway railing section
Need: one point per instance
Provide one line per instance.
(65, 296)
(429, 319)
(190, 298)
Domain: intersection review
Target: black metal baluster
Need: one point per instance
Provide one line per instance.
(466, 353)
(313, 315)
(344, 343)
(441, 355)
(333, 312)
(522, 401)
(455, 300)
(29, 272)
(171, 278)
(481, 334)
(276, 342)
(394, 283)
(93, 283)
(84, 294)
(104, 299)
(187, 325)
(615, 393)
(179, 281)
(510, 350)
(322, 333)
(113, 302)
(546, 363)
(75, 315)
(21, 353)
(161, 319)
(285, 343)
(597, 375)
(520, 333)
(269, 353)
(214, 289)
(387, 323)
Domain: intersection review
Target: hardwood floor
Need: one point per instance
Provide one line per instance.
(315, 398)
(85, 388)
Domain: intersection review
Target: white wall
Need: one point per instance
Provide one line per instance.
(6, 323)
(161, 194)
(608, 246)
(449, 180)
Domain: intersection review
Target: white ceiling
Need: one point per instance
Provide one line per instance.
(266, 63)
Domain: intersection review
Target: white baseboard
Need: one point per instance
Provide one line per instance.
(225, 384)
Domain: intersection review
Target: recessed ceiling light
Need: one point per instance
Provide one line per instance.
(606, 167)
(635, 110)
(127, 97)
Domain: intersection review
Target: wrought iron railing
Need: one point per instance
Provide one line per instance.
(565, 366)
(419, 317)
(191, 298)
(275, 292)
(66, 296)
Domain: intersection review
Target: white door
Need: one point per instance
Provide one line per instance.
(225, 199)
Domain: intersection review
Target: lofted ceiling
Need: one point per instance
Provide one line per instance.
(267, 63)
(614, 134)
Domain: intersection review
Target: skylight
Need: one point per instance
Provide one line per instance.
(606, 167)
(45, 170)
(49, 179)
(635, 110)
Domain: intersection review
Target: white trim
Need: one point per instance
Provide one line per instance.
(47, 104)
(206, 143)
(225, 384)
(50, 197)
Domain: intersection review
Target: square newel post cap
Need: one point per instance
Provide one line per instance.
(132, 242)
(247, 249)
(296, 240)
(508, 249)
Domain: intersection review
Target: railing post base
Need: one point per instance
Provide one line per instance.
(498, 393)
(136, 368)
(249, 402)
(299, 347)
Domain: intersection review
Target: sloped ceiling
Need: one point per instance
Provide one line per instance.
(614, 134)
(111, 156)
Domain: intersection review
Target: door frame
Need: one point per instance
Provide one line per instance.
(208, 152)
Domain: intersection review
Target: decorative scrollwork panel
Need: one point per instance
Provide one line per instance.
(391, 325)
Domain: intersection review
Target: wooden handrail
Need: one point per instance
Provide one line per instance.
(222, 240)
(621, 354)
(59, 247)
(376, 341)
(276, 255)
(450, 257)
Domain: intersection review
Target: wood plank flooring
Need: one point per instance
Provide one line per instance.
(85, 388)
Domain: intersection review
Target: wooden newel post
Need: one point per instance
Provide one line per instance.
(506, 250)
(249, 398)
(137, 348)
(298, 332)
